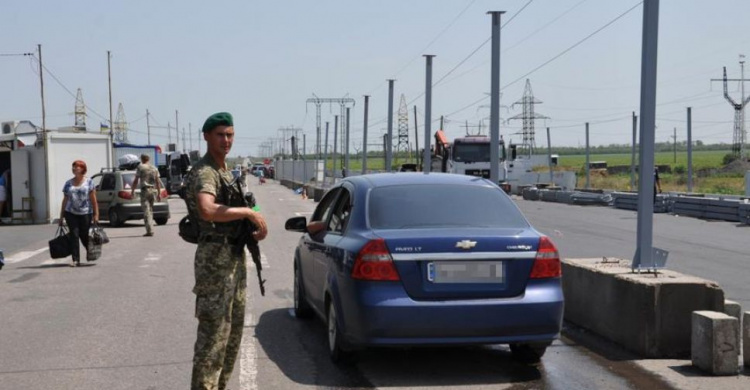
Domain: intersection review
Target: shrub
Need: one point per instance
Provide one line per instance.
(729, 158)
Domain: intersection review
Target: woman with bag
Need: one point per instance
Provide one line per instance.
(77, 206)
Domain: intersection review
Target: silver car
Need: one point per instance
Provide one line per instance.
(116, 204)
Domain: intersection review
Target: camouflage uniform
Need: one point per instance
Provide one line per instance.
(148, 175)
(220, 281)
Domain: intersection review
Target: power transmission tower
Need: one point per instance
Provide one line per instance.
(121, 126)
(528, 116)
(739, 136)
(402, 149)
(342, 102)
(80, 112)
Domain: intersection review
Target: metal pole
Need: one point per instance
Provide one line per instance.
(177, 127)
(44, 135)
(335, 141)
(690, 149)
(495, 99)
(644, 252)
(674, 144)
(549, 158)
(346, 150)
(325, 155)
(426, 158)
(385, 154)
(364, 136)
(389, 144)
(169, 135)
(416, 136)
(111, 123)
(148, 127)
(588, 165)
(742, 109)
(632, 156)
(190, 135)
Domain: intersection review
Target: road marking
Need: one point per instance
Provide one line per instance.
(152, 257)
(302, 213)
(25, 255)
(263, 260)
(248, 359)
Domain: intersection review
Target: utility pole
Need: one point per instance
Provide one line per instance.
(190, 135)
(549, 158)
(632, 156)
(148, 126)
(495, 99)
(44, 131)
(111, 123)
(364, 135)
(169, 135)
(739, 136)
(177, 127)
(385, 147)
(674, 144)
(588, 165)
(644, 254)
(346, 150)
(690, 149)
(426, 159)
(416, 136)
(335, 142)
(325, 155)
(389, 145)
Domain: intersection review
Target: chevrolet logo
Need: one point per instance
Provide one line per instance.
(466, 244)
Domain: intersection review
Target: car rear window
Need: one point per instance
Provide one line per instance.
(439, 206)
(127, 180)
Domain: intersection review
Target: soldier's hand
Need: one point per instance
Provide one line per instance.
(260, 222)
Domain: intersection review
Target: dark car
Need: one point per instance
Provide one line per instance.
(411, 259)
(116, 205)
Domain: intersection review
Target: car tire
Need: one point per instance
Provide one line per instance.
(302, 308)
(161, 221)
(114, 218)
(335, 339)
(528, 353)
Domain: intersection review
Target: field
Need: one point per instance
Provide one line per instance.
(702, 159)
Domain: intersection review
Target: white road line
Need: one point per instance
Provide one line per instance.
(152, 257)
(21, 256)
(263, 260)
(302, 213)
(248, 359)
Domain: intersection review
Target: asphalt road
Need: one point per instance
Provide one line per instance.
(713, 250)
(126, 322)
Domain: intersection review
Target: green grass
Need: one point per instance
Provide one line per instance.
(702, 159)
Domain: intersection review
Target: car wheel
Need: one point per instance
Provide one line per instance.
(335, 345)
(114, 218)
(302, 308)
(528, 353)
(161, 221)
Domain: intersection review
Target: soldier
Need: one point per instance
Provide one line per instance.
(148, 176)
(220, 269)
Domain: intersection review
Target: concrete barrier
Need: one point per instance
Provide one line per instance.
(746, 338)
(648, 315)
(715, 347)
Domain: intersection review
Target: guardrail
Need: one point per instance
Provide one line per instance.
(726, 208)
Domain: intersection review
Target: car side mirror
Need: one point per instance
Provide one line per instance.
(296, 224)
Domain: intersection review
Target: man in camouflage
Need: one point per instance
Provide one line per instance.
(148, 176)
(220, 269)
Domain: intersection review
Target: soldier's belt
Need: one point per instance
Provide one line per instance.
(216, 239)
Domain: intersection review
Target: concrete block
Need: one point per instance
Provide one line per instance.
(715, 347)
(746, 338)
(733, 309)
(649, 315)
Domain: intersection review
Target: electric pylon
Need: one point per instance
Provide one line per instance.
(528, 116)
(80, 112)
(402, 148)
(121, 126)
(738, 137)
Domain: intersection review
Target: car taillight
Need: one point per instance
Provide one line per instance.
(125, 195)
(547, 261)
(374, 262)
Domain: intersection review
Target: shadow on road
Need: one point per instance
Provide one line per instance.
(299, 349)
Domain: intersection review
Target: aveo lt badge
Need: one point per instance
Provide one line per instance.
(466, 244)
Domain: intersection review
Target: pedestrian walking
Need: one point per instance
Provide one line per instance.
(148, 177)
(78, 205)
(220, 268)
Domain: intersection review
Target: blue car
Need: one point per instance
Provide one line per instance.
(408, 259)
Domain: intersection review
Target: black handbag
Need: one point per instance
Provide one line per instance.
(59, 246)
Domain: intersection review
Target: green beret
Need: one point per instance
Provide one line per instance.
(218, 119)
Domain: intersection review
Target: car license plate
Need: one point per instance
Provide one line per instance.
(465, 272)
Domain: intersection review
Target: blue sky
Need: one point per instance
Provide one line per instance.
(261, 60)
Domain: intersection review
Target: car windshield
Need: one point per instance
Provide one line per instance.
(442, 206)
(127, 180)
(471, 152)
